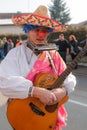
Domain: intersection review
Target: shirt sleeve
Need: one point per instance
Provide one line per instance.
(12, 84)
(70, 83)
(15, 86)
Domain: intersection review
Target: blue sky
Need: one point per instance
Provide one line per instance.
(78, 8)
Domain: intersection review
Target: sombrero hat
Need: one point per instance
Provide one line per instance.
(40, 17)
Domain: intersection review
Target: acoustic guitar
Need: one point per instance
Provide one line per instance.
(30, 113)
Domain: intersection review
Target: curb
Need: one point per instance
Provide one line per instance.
(82, 64)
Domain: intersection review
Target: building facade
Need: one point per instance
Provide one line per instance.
(7, 27)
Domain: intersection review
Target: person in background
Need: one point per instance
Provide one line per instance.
(21, 66)
(63, 46)
(10, 44)
(84, 42)
(19, 42)
(5, 42)
(74, 49)
(1, 50)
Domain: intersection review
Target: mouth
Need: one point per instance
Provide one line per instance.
(40, 41)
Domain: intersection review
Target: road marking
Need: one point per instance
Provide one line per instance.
(78, 103)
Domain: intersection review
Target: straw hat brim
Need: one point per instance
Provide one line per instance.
(38, 20)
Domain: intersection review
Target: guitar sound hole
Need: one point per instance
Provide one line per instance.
(50, 127)
(36, 109)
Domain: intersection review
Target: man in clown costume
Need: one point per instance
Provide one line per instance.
(21, 66)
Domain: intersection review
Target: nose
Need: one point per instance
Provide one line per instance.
(41, 34)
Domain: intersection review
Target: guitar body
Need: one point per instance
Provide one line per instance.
(30, 113)
(22, 117)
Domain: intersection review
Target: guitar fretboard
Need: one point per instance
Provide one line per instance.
(67, 71)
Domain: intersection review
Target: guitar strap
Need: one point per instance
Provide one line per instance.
(51, 61)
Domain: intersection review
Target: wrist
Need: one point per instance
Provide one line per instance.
(66, 92)
(30, 93)
(36, 92)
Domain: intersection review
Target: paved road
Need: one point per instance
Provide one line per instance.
(77, 106)
(4, 125)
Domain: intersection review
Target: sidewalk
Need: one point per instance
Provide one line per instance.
(82, 66)
(81, 70)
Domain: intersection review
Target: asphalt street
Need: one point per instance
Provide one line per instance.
(77, 105)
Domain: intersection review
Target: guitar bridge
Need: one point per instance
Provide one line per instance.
(37, 110)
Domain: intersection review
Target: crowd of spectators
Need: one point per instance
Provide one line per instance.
(5, 46)
(68, 46)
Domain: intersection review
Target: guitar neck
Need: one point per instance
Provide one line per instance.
(67, 71)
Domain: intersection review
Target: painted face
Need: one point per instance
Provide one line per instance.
(38, 35)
